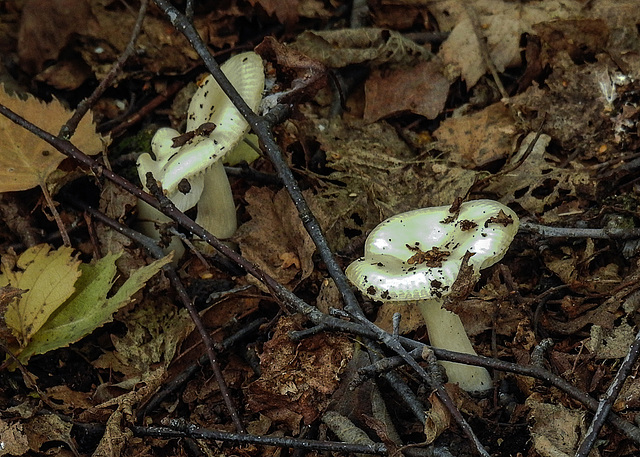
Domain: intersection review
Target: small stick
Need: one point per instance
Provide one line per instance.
(170, 271)
(606, 402)
(67, 130)
(572, 232)
(56, 216)
(295, 443)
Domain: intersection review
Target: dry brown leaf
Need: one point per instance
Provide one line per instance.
(382, 177)
(538, 183)
(556, 430)
(13, 438)
(65, 74)
(25, 160)
(285, 12)
(298, 377)
(437, 419)
(47, 26)
(411, 317)
(42, 429)
(611, 344)
(573, 107)
(423, 87)
(480, 138)
(501, 23)
(275, 238)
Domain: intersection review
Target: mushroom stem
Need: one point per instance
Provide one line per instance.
(447, 332)
(148, 220)
(216, 209)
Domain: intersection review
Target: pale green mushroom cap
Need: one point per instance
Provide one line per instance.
(209, 104)
(386, 272)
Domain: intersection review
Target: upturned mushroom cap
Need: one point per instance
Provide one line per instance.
(417, 255)
(174, 167)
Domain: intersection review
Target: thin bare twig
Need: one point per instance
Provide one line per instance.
(573, 232)
(263, 130)
(606, 402)
(67, 130)
(56, 216)
(152, 247)
(311, 445)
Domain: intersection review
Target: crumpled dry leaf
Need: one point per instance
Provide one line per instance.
(42, 429)
(104, 29)
(275, 238)
(14, 439)
(556, 430)
(286, 12)
(538, 183)
(501, 23)
(437, 419)
(154, 334)
(298, 377)
(27, 161)
(339, 48)
(478, 139)
(47, 26)
(611, 344)
(382, 177)
(423, 87)
(301, 76)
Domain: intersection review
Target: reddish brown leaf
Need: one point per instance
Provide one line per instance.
(421, 90)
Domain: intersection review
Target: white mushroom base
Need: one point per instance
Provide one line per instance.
(447, 332)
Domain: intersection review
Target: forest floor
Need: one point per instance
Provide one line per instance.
(389, 106)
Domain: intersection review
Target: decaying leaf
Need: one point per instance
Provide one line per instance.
(423, 87)
(480, 138)
(14, 439)
(611, 344)
(275, 239)
(339, 48)
(538, 182)
(500, 23)
(26, 161)
(556, 430)
(298, 377)
(286, 12)
(437, 419)
(66, 300)
(154, 334)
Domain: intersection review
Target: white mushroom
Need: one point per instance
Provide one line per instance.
(192, 172)
(417, 256)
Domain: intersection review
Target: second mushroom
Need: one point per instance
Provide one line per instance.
(189, 166)
(417, 257)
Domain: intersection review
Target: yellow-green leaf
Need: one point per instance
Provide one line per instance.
(49, 278)
(25, 160)
(89, 307)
